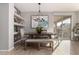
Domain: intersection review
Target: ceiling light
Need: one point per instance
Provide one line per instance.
(39, 7)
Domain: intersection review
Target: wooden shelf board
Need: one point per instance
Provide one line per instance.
(15, 33)
(17, 24)
(17, 41)
(18, 16)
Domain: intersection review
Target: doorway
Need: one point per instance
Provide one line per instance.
(63, 27)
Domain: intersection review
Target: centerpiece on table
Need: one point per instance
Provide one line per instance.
(39, 29)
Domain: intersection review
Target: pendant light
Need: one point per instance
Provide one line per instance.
(39, 7)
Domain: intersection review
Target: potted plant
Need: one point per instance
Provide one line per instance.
(39, 30)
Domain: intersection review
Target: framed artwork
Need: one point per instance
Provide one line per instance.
(39, 21)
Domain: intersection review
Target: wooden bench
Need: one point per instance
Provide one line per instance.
(39, 41)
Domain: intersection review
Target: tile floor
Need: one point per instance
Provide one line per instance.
(66, 47)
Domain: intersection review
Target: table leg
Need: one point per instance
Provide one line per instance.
(25, 46)
(52, 45)
(38, 46)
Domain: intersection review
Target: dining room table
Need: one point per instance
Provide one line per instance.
(41, 35)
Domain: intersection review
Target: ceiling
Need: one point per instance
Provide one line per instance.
(47, 7)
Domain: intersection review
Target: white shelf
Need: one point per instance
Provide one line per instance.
(17, 41)
(19, 20)
(18, 16)
(18, 24)
(15, 33)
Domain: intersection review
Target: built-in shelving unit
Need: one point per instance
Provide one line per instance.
(18, 25)
(76, 31)
(76, 28)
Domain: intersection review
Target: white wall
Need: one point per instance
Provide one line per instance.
(77, 16)
(4, 17)
(6, 26)
(27, 17)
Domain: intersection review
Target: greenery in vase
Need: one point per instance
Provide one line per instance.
(39, 29)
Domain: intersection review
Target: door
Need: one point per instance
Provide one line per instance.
(66, 28)
(59, 29)
(63, 27)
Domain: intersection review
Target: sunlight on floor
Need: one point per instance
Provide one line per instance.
(63, 49)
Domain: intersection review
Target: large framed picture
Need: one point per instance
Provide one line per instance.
(40, 21)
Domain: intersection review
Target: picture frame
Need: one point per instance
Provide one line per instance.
(39, 21)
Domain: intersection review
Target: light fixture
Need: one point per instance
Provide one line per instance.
(39, 7)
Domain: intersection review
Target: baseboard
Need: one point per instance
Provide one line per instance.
(11, 49)
(4, 50)
(8, 49)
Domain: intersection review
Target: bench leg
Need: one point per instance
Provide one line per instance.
(52, 46)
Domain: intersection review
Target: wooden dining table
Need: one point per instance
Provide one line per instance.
(41, 35)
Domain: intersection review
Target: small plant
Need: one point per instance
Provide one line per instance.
(39, 29)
